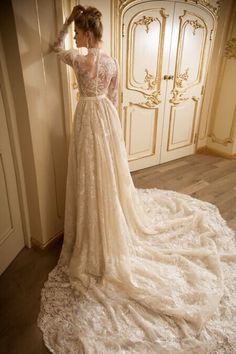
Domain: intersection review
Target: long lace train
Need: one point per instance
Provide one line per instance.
(141, 270)
(107, 319)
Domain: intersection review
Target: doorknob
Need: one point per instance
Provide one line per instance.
(168, 77)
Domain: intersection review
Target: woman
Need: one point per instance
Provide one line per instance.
(141, 270)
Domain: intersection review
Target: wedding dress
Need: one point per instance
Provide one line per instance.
(140, 270)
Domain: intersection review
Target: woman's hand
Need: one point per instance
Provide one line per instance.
(73, 14)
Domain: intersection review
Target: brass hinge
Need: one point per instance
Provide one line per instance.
(211, 34)
(202, 90)
(195, 138)
(123, 30)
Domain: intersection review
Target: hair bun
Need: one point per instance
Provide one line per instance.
(93, 12)
(89, 19)
(80, 10)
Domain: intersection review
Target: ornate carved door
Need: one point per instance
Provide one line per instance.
(165, 51)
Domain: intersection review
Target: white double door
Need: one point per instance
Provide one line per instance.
(165, 53)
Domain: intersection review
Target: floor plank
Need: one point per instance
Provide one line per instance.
(206, 177)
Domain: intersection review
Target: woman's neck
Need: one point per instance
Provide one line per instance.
(96, 45)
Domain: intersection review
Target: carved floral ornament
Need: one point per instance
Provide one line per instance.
(195, 24)
(153, 100)
(177, 97)
(182, 77)
(230, 49)
(150, 80)
(212, 5)
(146, 21)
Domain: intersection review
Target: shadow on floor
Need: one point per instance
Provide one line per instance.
(20, 288)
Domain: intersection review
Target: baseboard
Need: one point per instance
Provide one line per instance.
(210, 151)
(36, 244)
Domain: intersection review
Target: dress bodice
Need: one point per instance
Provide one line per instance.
(96, 73)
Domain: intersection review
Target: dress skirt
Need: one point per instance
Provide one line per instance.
(141, 270)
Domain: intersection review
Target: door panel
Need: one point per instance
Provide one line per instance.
(145, 51)
(188, 58)
(140, 120)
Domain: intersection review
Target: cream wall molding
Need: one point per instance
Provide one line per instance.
(215, 152)
(230, 138)
(208, 103)
(229, 53)
(211, 5)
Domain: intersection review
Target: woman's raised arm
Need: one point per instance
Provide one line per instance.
(67, 56)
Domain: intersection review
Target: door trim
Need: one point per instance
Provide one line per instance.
(15, 145)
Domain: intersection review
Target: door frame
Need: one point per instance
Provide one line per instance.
(15, 145)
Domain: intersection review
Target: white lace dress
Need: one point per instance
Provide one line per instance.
(141, 270)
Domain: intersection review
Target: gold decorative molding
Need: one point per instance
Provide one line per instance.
(195, 24)
(224, 142)
(177, 97)
(150, 80)
(146, 21)
(182, 28)
(151, 84)
(122, 4)
(211, 5)
(230, 49)
(153, 100)
(182, 77)
(132, 83)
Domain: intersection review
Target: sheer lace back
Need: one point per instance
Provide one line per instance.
(97, 72)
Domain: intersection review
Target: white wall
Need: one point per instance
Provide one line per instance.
(222, 131)
(36, 27)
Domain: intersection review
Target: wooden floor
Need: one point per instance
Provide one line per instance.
(205, 177)
(208, 178)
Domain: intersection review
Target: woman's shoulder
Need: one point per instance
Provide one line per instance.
(110, 58)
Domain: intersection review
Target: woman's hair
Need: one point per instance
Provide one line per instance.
(89, 19)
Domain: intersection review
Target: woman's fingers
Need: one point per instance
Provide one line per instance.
(74, 12)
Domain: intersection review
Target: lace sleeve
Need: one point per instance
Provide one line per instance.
(113, 86)
(67, 56)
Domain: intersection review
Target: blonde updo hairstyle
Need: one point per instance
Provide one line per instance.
(89, 19)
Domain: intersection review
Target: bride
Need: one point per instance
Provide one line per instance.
(140, 270)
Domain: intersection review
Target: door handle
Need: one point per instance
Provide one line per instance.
(168, 77)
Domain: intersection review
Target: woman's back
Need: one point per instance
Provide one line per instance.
(94, 72)
(97, 72)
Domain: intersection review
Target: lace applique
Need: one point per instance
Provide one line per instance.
(107, 74)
